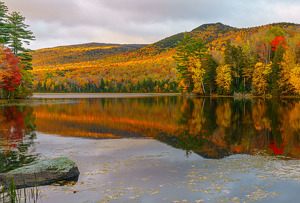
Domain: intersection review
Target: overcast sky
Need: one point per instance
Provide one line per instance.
(65, 22)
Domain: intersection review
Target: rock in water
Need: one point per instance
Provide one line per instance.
(42, 172)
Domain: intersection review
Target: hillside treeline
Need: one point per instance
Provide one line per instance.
(211, 59)
(261, 61)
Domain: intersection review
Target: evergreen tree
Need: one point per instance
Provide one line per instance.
(4, 28)
(189, 53)
(182, 62)
(19, 34)
(210, 65)
(236, 59)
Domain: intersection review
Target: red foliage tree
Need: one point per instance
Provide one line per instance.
(11, 76)
(278, 41)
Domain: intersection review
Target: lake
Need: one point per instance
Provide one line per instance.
(159, 148)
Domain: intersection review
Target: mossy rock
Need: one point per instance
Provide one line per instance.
(42, 172)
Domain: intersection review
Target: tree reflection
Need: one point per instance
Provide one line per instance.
(242, 127)
(212, 128)
(16, 136)
(290, 128)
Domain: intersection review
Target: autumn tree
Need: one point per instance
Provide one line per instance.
(189, 53)
(3, 67)
(224, 79)
(260, 75)
(198, 74)
(263, 52)
(10, 73)
(297, 52)
(278, 49)
(18, 35)
(287, 64)
(295, 78)
(277, 42)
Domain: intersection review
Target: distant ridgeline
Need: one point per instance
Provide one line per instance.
(211, 59)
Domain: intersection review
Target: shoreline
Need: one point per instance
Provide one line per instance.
(98, 95)
(140, 95)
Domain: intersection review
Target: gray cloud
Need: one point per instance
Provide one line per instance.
(60, 22)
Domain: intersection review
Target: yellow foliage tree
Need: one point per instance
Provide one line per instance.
(295, 78)
(224, 77)
(2, 68)
(287, 64)
(259, 79)
(197, 75)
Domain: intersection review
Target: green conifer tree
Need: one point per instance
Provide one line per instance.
(19, 34)
(4, 28)
(188, 51)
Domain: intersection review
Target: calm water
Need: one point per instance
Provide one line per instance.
(160, 149)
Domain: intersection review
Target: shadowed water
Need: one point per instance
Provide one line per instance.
(160, 149)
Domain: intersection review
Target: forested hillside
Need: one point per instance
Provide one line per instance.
(79, 53)
(260, 60)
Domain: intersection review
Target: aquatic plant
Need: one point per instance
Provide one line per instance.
(10, 193)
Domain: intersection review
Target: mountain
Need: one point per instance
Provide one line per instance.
(216, 28)
(81, 52)
(169, 42)
(95, 51)
(97, 67)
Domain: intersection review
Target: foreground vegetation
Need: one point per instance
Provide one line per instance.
(15, 60)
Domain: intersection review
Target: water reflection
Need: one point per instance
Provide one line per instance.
(212, 128)
(16, 136)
